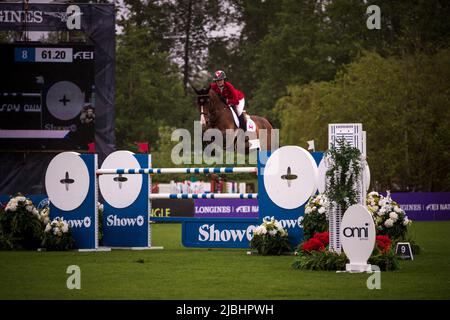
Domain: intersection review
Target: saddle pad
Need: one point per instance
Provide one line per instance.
(251, 125)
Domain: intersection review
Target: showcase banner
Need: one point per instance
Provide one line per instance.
(425, 206)
(226, 208)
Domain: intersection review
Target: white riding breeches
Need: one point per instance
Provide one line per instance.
(240, 106)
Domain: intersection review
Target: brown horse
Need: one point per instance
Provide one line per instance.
(215, 113)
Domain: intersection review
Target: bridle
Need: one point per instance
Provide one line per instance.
(206, 117)
(201, 99)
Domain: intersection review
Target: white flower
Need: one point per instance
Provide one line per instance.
(308, 210)
(100, 207)
(29, 208)
(389, 223)
(278, 225)
(259, 230)
(35, 212)
(56, 230)
(374, 193)
(407, 222)
(263, 230)
(381, 212)
(48, 227)
(382, 202)
(398, 209)
(11, 207)
(273, 232)
(21, 198)
(321, 210)
(393, 216)
(314, 208)
(65, 228)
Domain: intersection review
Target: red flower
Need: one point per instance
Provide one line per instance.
(323, 237)
(313, 244)
(383, 243)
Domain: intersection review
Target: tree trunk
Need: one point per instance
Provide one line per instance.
(187, 47)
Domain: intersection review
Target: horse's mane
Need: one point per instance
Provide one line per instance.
(215, 99)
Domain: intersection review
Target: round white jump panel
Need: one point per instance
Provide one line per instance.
(366, 177)
(120, 190)
(65, 100)
(322, 180)
(290, 177)
(67, 181)
(357, 234)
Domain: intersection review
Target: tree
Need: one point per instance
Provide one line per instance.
(402, 104)
(149, 90)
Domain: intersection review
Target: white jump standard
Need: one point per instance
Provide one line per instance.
(285, 183)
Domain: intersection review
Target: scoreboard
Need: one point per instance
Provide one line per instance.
(47, 96)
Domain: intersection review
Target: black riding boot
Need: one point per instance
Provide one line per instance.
(242, 122)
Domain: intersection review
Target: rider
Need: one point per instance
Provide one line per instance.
(233, 97)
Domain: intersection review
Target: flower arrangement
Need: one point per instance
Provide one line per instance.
(345, 164)
(315, 218)
(20, 224)
(57, 236)
(383, 254)
(313, 254)
(270, 238)
(317, 243)
(389, 218)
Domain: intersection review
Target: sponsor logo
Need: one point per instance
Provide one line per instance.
(288, 223)
(83, 55)
(438, 207)
(115, 221)
(77, 223)
(357, 232)
(72, 16)
(44, 203)
(210, 233)
(11, 16)
(213, 209)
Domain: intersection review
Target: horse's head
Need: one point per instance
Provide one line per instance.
(203, 105)
(214, 112)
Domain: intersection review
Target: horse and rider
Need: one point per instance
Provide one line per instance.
(233, 97)
(218, 102)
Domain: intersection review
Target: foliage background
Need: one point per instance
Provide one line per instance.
(302, 63)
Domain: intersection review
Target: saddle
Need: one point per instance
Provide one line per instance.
(250, 124)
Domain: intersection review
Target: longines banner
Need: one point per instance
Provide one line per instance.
(424, 206)
(226, 208)
(43, 17)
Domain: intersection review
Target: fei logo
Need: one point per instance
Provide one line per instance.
(73, 17)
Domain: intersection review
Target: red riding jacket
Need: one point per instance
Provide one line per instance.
(230, 93)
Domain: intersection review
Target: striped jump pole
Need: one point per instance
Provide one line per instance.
(203, 196)
(179, 170)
